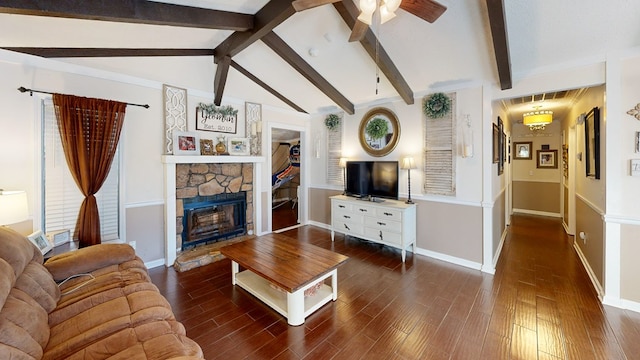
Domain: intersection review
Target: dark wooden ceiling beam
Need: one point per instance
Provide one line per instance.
(107, 52)
(220, 79)
(500, 41)
(132, 11)
(272, 14)
(262, 84)
(275, 43)
(349, 13)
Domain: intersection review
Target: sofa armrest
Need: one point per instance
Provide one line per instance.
(88, 259)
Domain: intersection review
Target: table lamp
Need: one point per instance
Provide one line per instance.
(343, 165)
(408, 164)
(13, 207)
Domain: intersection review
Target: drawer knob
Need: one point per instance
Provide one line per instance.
(381, 223)
(388, 213)
(346, 216)
(346, 227)
(381, 238)
(363, 210)
(341, 206)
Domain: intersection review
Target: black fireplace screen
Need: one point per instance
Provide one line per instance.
(209, 219)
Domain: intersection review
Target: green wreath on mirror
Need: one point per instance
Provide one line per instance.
(437, 105)
(377, 128)
(332, 121)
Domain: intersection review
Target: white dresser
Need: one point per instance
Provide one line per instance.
(390, 222)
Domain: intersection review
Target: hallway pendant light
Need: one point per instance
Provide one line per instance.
(537, 120)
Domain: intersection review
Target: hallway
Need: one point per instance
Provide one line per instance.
(540, 304)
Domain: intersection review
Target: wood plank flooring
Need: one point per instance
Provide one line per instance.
(540, 304)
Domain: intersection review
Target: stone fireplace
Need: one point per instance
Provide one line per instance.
(215, 218)
(188, 177)
(213, 202)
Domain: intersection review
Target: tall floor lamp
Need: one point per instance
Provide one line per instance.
(408, 164)
(343, 165)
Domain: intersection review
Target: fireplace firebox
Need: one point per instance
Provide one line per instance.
(209, 219)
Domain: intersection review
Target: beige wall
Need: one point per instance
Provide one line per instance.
(629, 264)
(320, 205)
(590, 222)
(499, 226)
(142, 227)
(536, 196)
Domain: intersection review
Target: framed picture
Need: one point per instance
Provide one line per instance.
(206, 147)
(522, 150)
(547, 159)
(40, 240)
(592, 143)
(496, 144)
(239, 146)
(186, 143)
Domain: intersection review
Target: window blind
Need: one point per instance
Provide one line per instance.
(61, 198)
(440, 153)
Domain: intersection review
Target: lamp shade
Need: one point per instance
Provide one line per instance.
(13, 207)
(537, 118)
(408, 163)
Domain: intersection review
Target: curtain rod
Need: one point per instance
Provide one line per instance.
(22, 89)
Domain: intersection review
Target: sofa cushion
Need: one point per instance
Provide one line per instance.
(88, 259)
(17, 250)
(38, 283)
(24, 331)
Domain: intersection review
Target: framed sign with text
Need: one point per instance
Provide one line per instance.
(222, 119)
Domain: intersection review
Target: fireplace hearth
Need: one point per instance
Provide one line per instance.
(209, 219)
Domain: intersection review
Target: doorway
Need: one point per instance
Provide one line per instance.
(286, 178)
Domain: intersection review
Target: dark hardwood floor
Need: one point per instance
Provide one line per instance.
(284, 215)
(540, 304)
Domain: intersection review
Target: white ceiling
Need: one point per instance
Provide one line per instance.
(456, 48)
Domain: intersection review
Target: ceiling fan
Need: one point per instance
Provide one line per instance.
(427, 10)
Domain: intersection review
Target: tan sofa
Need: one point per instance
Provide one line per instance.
(110, 311)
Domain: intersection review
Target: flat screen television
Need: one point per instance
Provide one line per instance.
(372, 179)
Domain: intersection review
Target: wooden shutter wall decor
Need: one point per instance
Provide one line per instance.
(440, 153)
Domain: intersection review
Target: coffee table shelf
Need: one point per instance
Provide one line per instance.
(278, 299)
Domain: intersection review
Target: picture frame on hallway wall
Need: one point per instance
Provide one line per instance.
(522, 150)
(547, 159)
(496, 144)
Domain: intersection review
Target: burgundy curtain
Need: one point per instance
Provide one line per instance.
(89, 130)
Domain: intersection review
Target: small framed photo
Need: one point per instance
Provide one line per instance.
(547, 159)
(40, 240)
(186, 143)
(206, 147)
(239, 146)
(496, 144)
(522, 150)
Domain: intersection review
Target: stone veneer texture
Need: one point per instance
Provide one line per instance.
(212, 179)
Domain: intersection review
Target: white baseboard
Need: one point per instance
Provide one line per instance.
(450, 259)
(535, 212)
(592, 276)
(154, 263)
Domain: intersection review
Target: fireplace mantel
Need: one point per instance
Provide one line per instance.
(170, 162)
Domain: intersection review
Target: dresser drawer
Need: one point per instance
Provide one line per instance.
(383, 224)
(342, 205)
(347, 227)
(364, 209)
(389, 214)
(383, 236)
(348, 216)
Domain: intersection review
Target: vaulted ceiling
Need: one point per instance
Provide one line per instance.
(266, 52)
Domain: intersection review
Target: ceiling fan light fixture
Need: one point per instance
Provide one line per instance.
(386, 14)
(367, 8)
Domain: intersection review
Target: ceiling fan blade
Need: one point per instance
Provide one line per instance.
(300, 5)
(358, 32)
(427, 10)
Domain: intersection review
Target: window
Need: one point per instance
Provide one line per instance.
(61, 198)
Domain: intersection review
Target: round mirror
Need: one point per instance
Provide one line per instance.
(379, 132)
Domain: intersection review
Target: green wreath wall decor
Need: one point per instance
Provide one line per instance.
(377, 128)
(437, 105)
(212, 109)
(332, 121)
